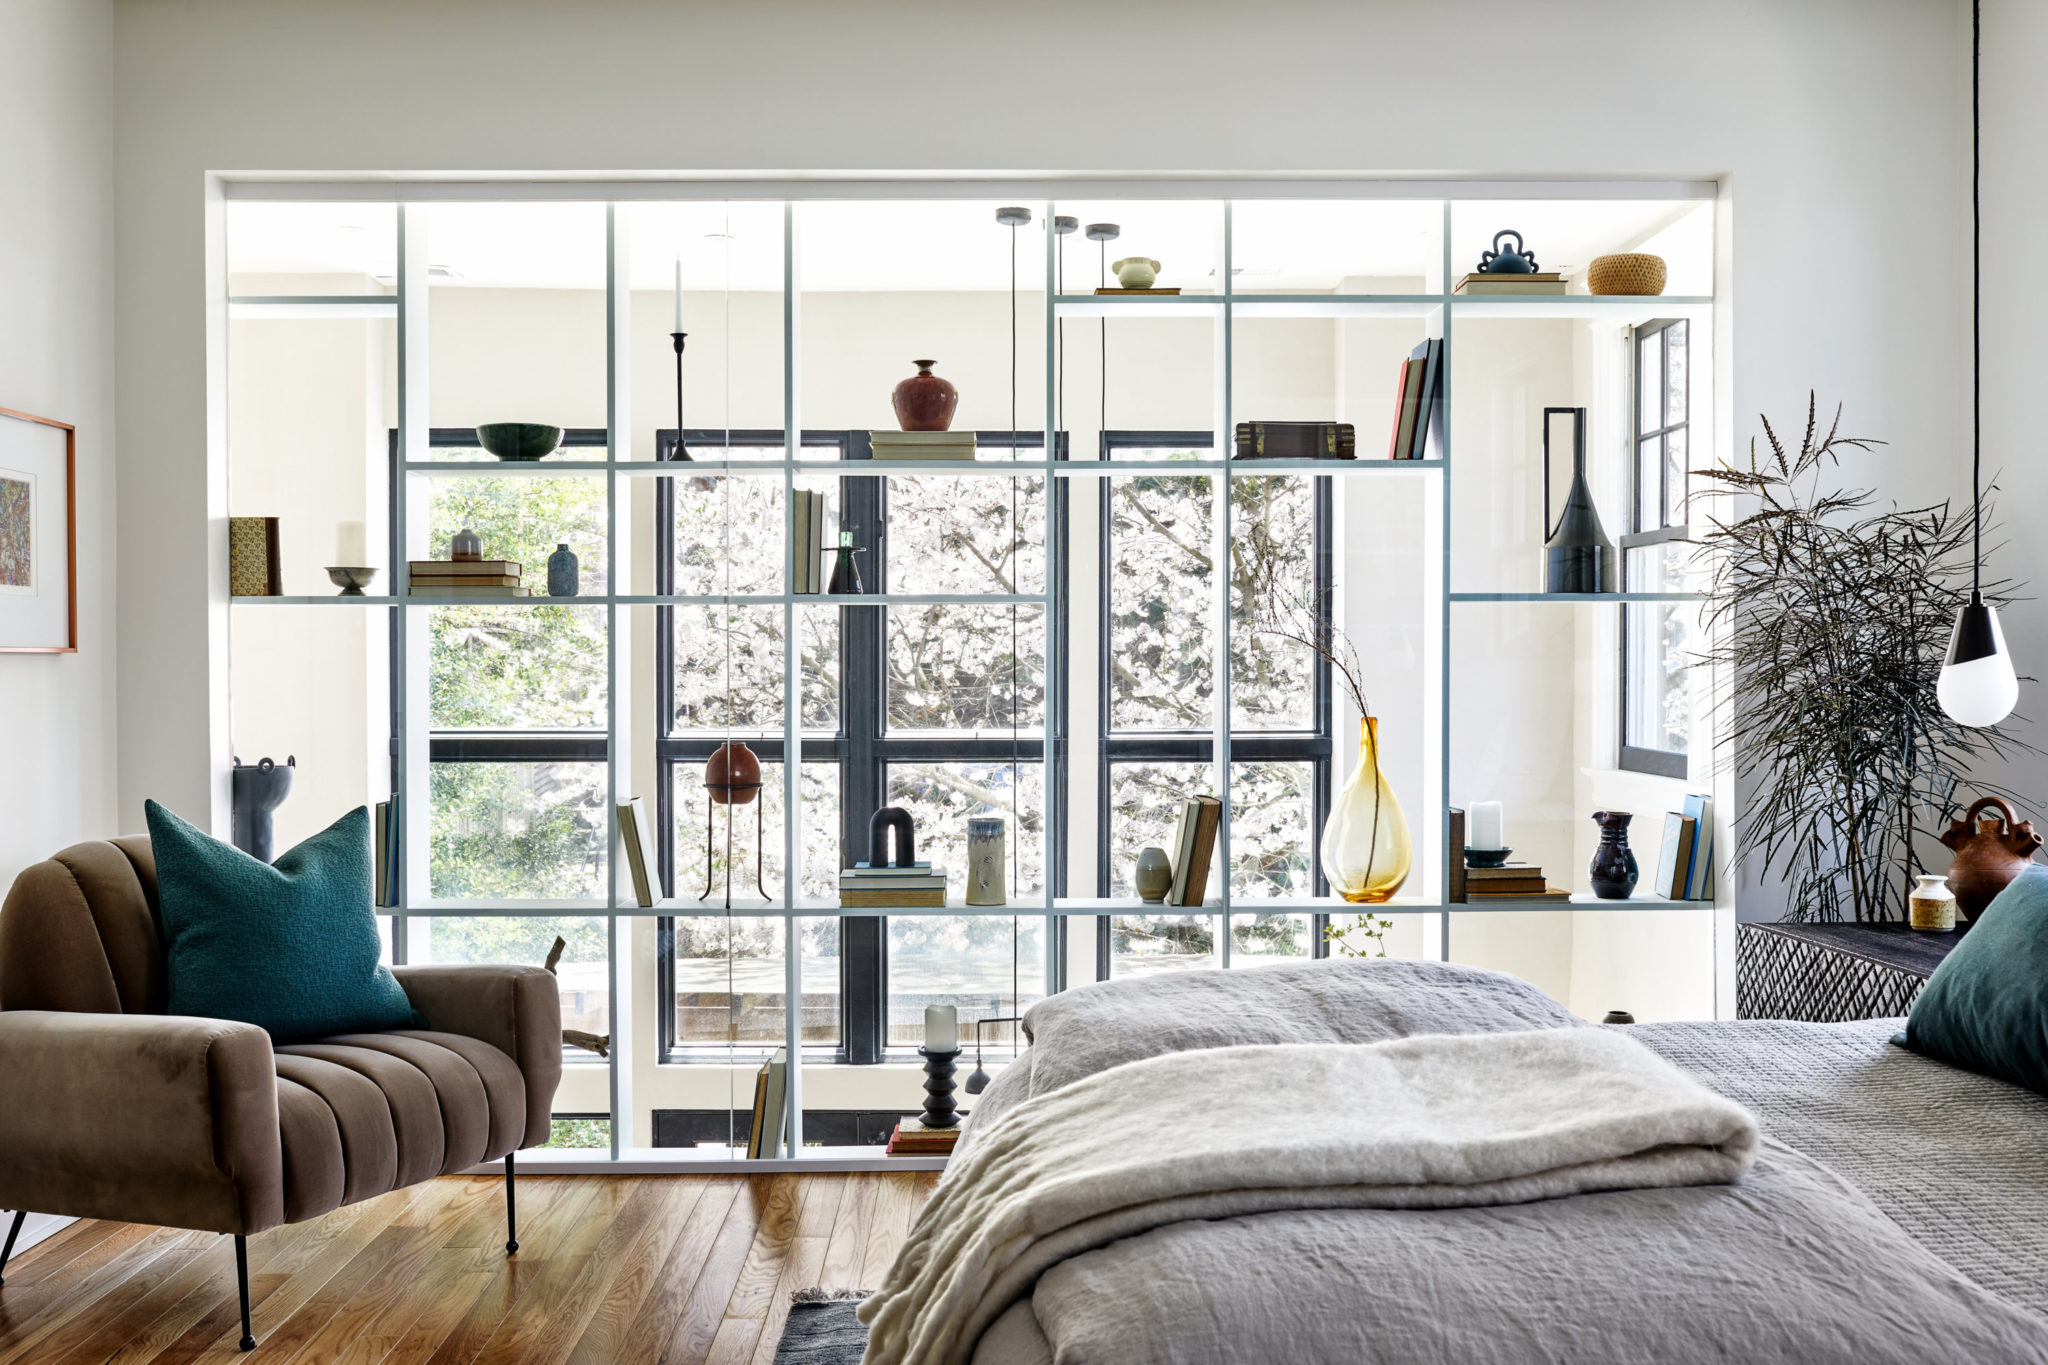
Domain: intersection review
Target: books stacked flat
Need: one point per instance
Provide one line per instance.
(1685, 865)
(466, 578)
(919, 884)
(1194, 845)
(912, 1138)
(807, 569)
(1512, 882)
(1156, 289)
(1543, 282)
(1297, 441)
(921, 445)
(1419, 402)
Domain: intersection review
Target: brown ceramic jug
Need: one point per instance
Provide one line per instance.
(925, 402)
(1989, 854)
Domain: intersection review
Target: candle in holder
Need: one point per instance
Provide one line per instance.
(1486, 831)
(941, 1028)
(351, 545)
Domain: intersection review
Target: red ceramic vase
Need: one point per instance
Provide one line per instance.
(925, 402)
(732, 774)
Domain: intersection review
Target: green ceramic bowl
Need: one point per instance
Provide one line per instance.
(519, 440)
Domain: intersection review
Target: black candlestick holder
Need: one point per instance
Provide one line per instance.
(938, 1088)
(682, 451)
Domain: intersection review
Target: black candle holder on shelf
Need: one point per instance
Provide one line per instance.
(939, 1067)
(682, 451)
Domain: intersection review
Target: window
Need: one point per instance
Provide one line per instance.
(1156, 721)
(935, 707)
(1655, 700)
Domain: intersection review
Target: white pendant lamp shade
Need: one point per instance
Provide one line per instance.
(1977, 686)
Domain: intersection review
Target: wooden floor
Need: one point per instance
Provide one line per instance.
(610, 1269)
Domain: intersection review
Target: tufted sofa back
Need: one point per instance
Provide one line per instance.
(81, 932)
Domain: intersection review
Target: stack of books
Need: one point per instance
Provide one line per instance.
(807, 573)
(921, 445)
(921, 884)
(1155, 289)
(466, 578)
(1512, 882)
(1543, 282)
(912, 1138)
(1419, 402)
(1685, 865)
(1194, 846)
(1297, 441)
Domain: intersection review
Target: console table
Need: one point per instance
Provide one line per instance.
(1828, 973)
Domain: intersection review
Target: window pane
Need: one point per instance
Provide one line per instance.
(522, 518)
(693, 807)
(1161, 590)
(728, 534)
(950, 668)
(1272, 576)
(1271, 810)
(1144, 810)
(818, 687)
(942, 797)
(517, 831)
(728, 668)
(516, 668)
(732, 991)
(1643, 514)
(584, 971)
(982, 965)
(1143, 944)
(1675, 380)
(1674, 477)
(1649, 382)
(1657, 657)
(1266, 940)
(957, 535)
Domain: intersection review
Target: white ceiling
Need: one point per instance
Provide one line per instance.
(915, 245)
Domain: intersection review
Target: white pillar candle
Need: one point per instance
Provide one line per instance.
(350, 545)
(1486, 831)
(677, 326)
(941, 1028)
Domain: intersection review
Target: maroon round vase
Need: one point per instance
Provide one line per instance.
(925, 402)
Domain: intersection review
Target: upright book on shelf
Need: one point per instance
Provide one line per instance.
(1194, 845)
(771, 1107)
(387, 851)
(1429, 417)
(1454, 889)
(1699, 875)
(643, 858)
(1412, 372)
(253, 566)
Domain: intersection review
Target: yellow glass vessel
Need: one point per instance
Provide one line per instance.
(1366, 849)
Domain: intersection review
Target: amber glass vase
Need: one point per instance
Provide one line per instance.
(1366, 848)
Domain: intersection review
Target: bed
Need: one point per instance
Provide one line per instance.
(1897, 1208)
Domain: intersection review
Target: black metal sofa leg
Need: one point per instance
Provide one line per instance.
(242, 1282)
(511, 1212)
(12, 1232)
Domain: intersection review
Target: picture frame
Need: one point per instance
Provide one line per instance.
(38, 534)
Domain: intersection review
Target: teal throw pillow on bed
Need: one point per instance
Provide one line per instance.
(1985, 1009)
(290, 946)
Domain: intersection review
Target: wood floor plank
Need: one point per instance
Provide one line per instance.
(691, 1270)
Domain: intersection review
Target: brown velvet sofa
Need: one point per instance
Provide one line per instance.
(110, 1108)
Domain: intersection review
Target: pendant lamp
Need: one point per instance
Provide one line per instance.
(1978, 686)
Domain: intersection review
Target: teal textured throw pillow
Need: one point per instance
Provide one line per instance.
(1985, 1009)
(290, 946)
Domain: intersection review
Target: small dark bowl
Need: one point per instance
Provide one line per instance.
(1487, 857)
(520, 441)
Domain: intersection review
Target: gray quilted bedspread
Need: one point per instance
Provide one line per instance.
(1958, 1160)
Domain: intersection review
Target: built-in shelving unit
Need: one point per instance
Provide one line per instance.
(618, 466)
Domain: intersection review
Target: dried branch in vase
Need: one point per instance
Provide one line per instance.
(1310, 623)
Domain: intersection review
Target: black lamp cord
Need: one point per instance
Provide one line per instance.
(1016, 582)
(1976, 308)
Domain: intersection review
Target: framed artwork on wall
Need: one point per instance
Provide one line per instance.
(38, 535)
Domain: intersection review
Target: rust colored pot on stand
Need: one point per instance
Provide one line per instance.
(1989, 854)
(925, 402)
(733, 774)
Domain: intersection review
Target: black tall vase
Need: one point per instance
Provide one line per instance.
(1577, 555)
(259, 789)
(1614, 864)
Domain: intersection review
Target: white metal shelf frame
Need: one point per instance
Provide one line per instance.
(408, 304)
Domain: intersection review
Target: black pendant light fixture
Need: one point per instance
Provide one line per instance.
(1978, 686)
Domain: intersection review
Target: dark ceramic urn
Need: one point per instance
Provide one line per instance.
(925, 402)
(1614, 864)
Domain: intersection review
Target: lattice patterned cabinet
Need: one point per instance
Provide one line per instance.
(1827, 973)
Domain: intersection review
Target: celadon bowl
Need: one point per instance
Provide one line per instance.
(524, 441)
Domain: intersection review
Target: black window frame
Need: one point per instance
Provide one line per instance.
(862, 747)
(1315, 747)
(1648, 524)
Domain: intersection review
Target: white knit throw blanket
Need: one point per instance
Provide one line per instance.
(1416, 1123)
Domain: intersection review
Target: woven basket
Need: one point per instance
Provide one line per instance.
(1632, 272)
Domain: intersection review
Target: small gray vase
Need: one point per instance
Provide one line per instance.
(1155, 875)
(562, 572)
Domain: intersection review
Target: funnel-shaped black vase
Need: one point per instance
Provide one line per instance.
(1577, 555)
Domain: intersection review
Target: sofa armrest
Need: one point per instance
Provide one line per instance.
(142, 1118)
(517, 1010)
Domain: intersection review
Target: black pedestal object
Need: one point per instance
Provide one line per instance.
(938, 1088)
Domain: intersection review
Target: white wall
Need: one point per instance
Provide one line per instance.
(57, 753)
(1835, 123)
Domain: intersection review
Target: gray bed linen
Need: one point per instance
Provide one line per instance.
(1959, 1161)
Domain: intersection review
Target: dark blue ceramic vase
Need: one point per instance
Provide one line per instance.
(1614, 865)
(1500, 261)
(562, 575)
